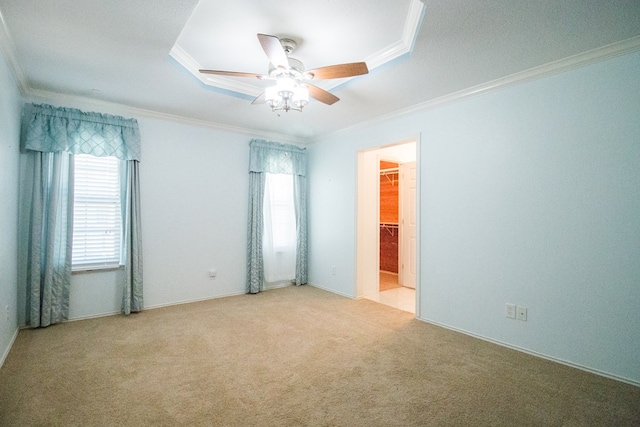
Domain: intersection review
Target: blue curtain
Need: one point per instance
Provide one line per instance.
(272, 157)
(53, 129)
(131, 239)
(255, 266)
(50, 137)
(300, 201)
(48, 238)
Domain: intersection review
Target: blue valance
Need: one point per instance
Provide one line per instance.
(273, 157)
(54, 129)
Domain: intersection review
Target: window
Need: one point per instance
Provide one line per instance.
(279, 233)
(96, 213)
(281, 219)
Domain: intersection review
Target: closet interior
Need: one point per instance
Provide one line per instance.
(389, 174)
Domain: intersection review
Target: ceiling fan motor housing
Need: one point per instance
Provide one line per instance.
(288, 45)
(296, 69)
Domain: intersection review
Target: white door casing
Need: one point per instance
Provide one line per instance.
(408, 215)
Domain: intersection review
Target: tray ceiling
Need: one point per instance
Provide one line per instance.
(119, 56)
(212, 39)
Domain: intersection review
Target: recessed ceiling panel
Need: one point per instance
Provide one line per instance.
(224, 36)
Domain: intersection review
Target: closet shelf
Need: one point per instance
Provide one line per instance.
(390, 171)
(391, 227)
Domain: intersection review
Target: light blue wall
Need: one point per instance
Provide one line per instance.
(195, 187)
(332, 202)
(194, 192)
(529, 195)
(10, 108)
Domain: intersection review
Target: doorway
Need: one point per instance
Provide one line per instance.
(387, 226)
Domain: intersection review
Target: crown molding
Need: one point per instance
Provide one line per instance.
(395, 50)
(405, 44)
(8, 48)
(40, 96)
(603, 53)
(193, 67)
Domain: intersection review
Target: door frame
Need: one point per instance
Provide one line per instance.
(402, 230)
(368, 220)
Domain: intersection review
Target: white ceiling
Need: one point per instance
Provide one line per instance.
(402, 153)
(119, 51)
(239, 50)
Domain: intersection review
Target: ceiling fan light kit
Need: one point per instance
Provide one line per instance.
(292, 89)
(287, 95)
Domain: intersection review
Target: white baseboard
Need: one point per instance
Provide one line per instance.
(92, 316)
(333, 291)
(511, 346)
(169, 304)
(152, 307)
(8, 349)
(535, 353)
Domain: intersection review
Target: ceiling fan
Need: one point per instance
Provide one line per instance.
(292, 89)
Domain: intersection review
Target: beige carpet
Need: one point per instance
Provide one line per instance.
(291, 357)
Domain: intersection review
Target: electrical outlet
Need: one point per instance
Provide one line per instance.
(6, 312)
(333, 270)
(522, 313)
(510, 311)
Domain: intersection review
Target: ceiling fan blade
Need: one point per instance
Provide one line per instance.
(261, 99)
(272, 47)
(339, 71)
(231, 73)
(322, 95)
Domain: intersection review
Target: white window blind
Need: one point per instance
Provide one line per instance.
(96, 213)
